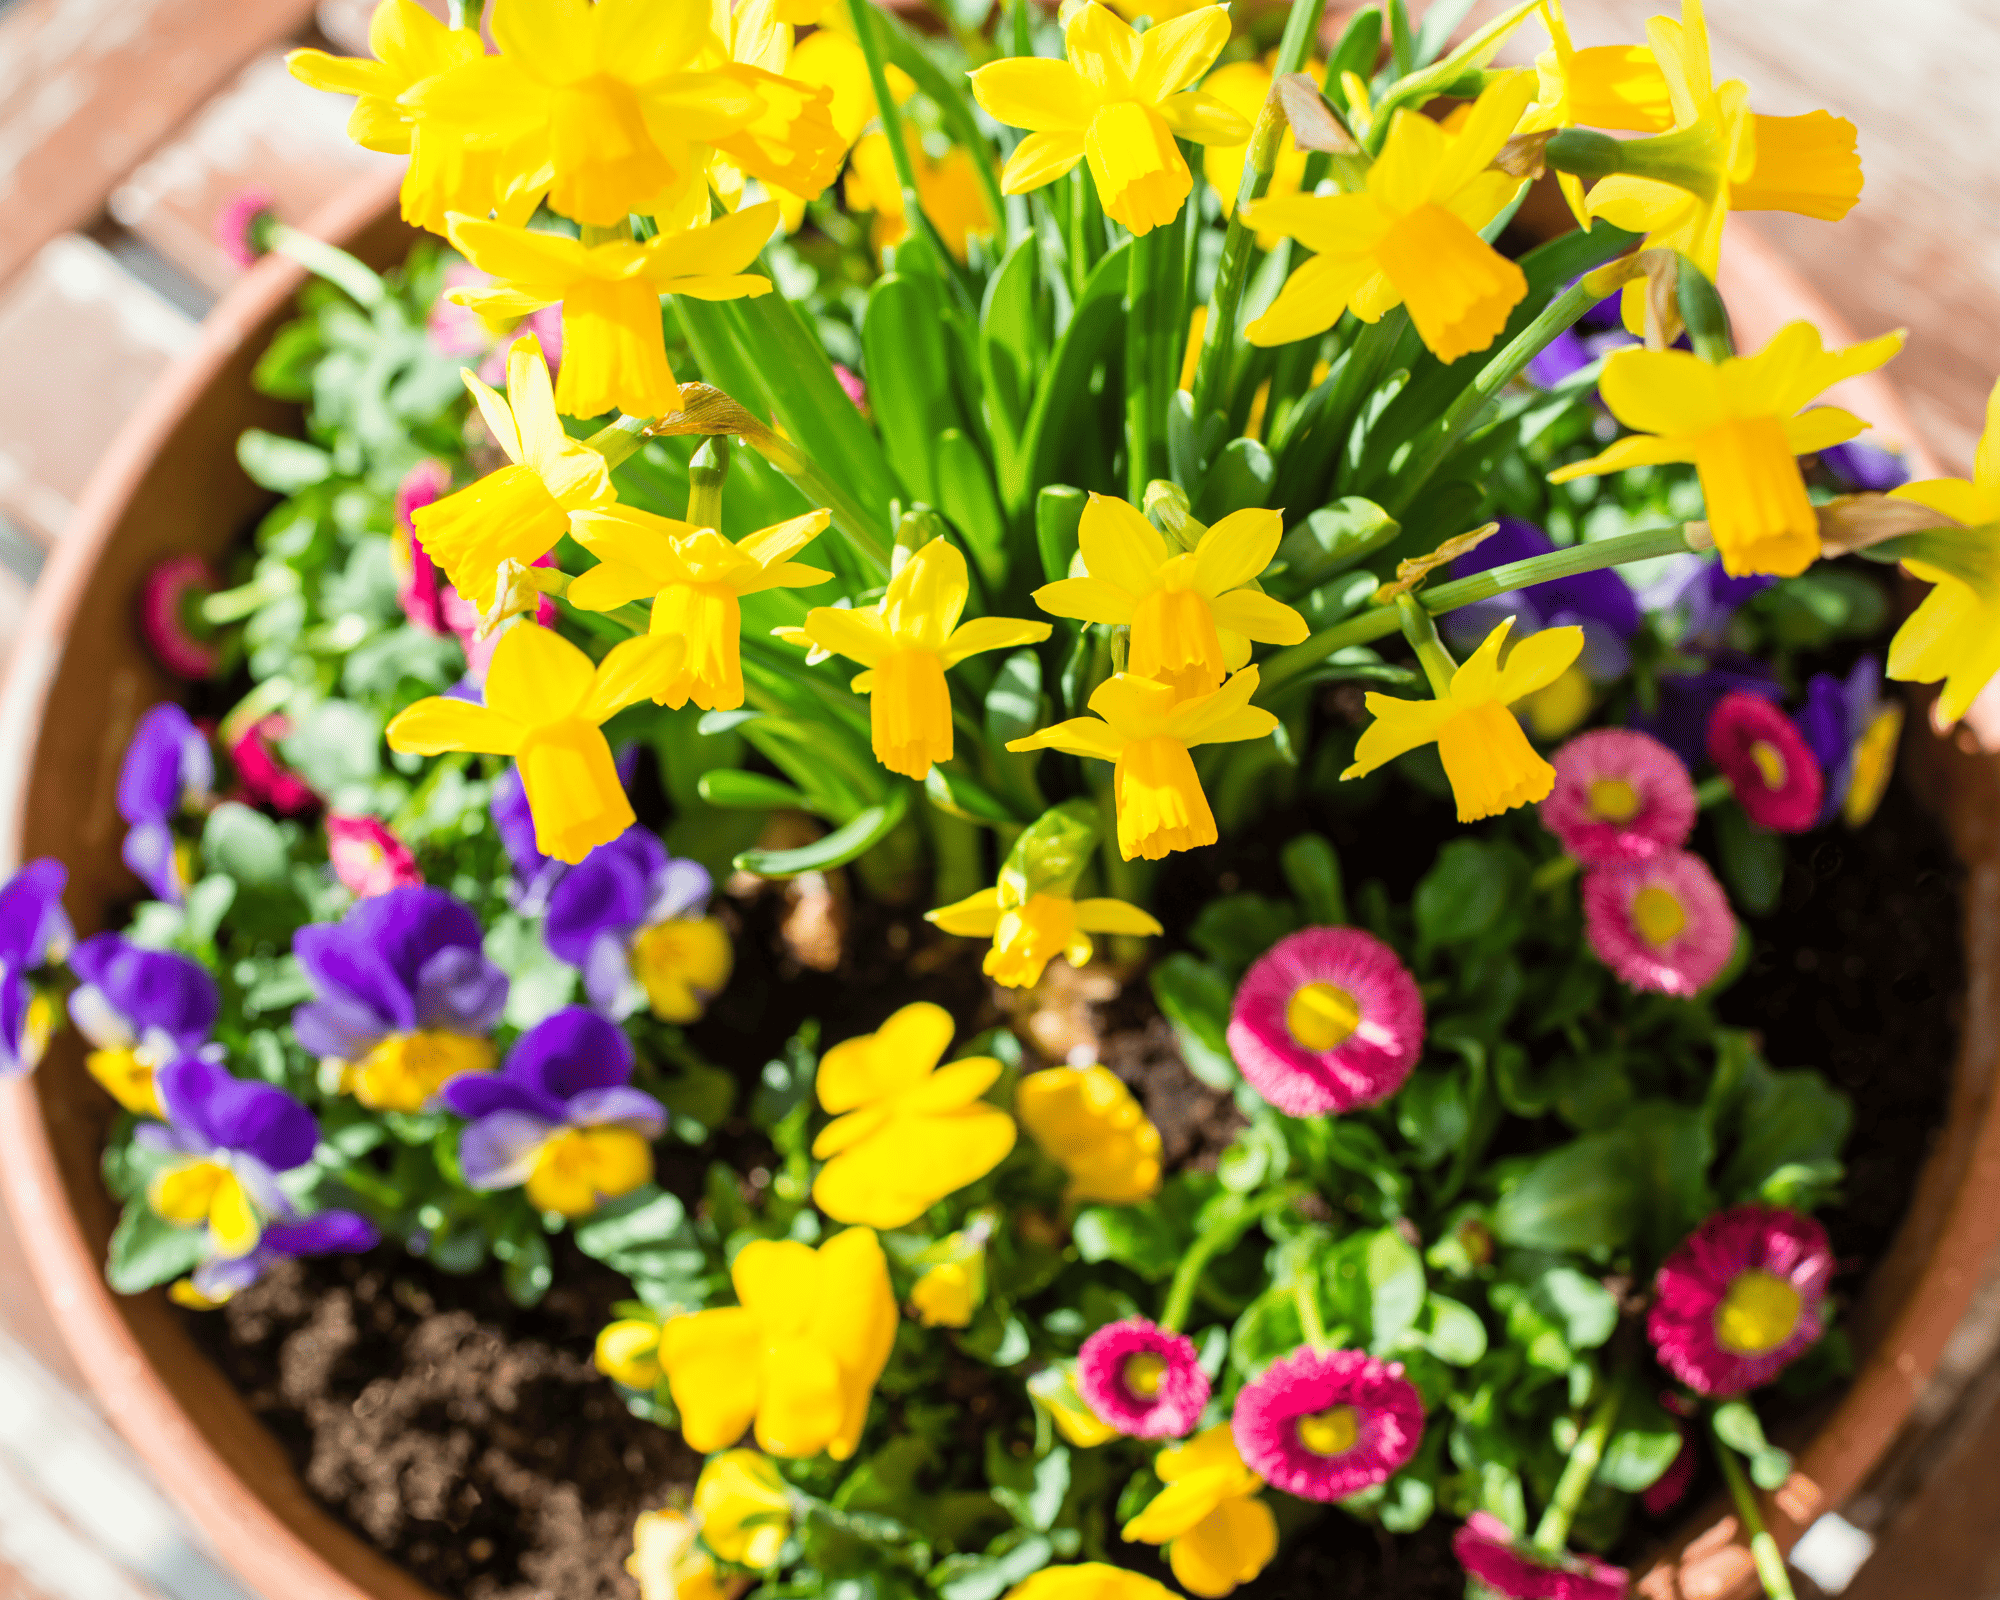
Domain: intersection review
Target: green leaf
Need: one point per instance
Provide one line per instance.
(1785, 1119)
(909, 385)
(1312, 872)
(868, 829)
(1011, 347)
(147, 1250)
(1466, 890)
(1585, 1195)
(965, 494)
(1241, 477)
(1196, 999)
(1752, 859)
(1065, 389)
(1058, 510)
(1645, 1443)
(951, 788)
(1377, 1283)
(1235, 929)
(1433, 1114)
(1139, 1237)
(246, 845)
(1672, 1150)
(284, 466)
(1453, 1332)
(335, 744)
(749, 791)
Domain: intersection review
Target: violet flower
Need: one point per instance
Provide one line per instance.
(34, 932)
(405, 996)
(630, 918)
(140, 1009)
(1851, 730)
(1686, 701)
(324, 1233)
(168, 769)
(535, 874)
(1860, 465)
(561, 1117)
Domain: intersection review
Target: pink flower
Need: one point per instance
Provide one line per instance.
(1141, 1379)
(1619, 796)
(1767, 763)
(1489, 1552)
(367, 858)
(851, 383)
(546, 326)
(235, 225)
(1663, 924)
(1327, 1020)
(168, 604)
(1671, 1487)
(1325, 1424)
(1743, 1295)
(261, 778)
(428, 482)
(457, 330)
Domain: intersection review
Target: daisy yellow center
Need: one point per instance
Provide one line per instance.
(1331, 1432)
(1770, 762)
(1657, 915)
(1321, 1016)
(1759, 1313)
(1142, 1374)
(1613, 800)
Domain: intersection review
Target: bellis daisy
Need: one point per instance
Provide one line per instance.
(1661, 924)
(1325, 1424)
(1742, 1296)
(1142, 1379)
(1490, 1553)
(1619, 796)
(1767, 762)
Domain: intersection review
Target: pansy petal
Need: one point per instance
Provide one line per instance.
(715, 1372)
(777, 1280)
(499, 1150)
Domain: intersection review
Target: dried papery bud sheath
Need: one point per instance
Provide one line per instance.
(1853, 523)
(1411, 573)
(1525, 155)
(1661, 270)
(1315, 125)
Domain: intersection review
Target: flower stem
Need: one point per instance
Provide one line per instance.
(1712, 792)
(1305, 1296)
(1553, 1534)
(1552, 874)
(1763, 1548)
(1228, 1226)
(1141, 319)
(616, 441)
(330, 262)
(706, 472)
(1420, 628)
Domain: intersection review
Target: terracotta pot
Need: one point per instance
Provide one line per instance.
(79, 680)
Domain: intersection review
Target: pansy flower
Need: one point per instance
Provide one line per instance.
(1743, 1295)
(1218, 1533)
(1768, 763)
(405, 996)
(34, 931)
(168, 770)
(1661, 924)
(1619, 796)
(1687, 701)
(1852, 732)
(1088, 1123)
(744, 1508)
(1325, 1424)
(1491, 1555)
(1327, 1019)
(140, 1009)
(561, 1118)
(631, 919)
(1143, 1379)
(324, 1233)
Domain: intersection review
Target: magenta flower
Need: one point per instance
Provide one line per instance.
(1663, 925)
(1671, 1487)
(428, 482)
(852, 386)
(262, 779)
(1327, 1020)
(367, 858)
(169, 604)
(1142, 1379)
(237, 224)
(1619, 796)
(1325, 1424)
(1743, 1295)
(457, 330)
(1489, 1552)
(1767, 762)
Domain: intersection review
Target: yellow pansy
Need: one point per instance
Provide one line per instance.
(743, 1507)
(1120, 100)
(1411, 237)
(194, 1192)
(799, 1357)
(1740, 422)
(545, 707)
(628, 1352)
(578, 1169)
(1089, 1580)
(695, 578)
(614, 354)
(1487, 757)
(1192, 613)
(1087, 1122)
(1027, 935)
(907, 641)
(947, 1295)
(403, 1071)
(126, 1072)
(948, 188)
(682, 963)
(1955, 633)
(518, 513)
(1145, 730)
(1217, 1533)
(1244, 86)
(1053, 1390)
(668, 1563)
(913, 1132)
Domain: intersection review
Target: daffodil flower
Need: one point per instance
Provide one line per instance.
(1145, 729)
(794, 145)
(545, 706)
(913, 1132)
(1191, 614)
(1244, 86)
(1216, 1530)
(518, 513)
(614, 355)
(1605, 86)
(1028, 935)
(1119, 101)
(1411, 237)
(907, 641)
(1487, 757)
(695, 579)
(1739, 421)
(1955, 633)
(948, 189)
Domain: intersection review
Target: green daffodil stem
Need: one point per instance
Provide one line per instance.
(1421, 629)
(1553, 1533)
(1763, 1548)
(865, 24)
(1218, 340)
(1229, 1225)
(1379, 621)
(617, 441)
(706, 471)
(360, 282)
(899, 48)
(1144, 405)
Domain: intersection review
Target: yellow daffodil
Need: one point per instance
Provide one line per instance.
(1053, 1390)
(403, 1071)
(518, 513)
(1244, 86)
(1089, 1580)
(1146, 731)
(668, 1563)
(793, 146)
(1028, 935)
(1217, 1532)
(695, 579)
(1739, 421)
(614, 354)
(832, 59)
(193, 1192)
(545, 706)
(1487, 757)
(1120, 100)
(628, 1352)
(947, 187)
(1411, 237)
(1192, 614)
(1955, 633)
(1158, 10)
(798, 1357)
(1087, 1122)
(913, 1132)
(907, 641)
(743, 1507)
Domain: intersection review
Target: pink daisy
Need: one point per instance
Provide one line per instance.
(236, 224)
(1487, 1549)
(167, 616)
(367, 858)
(262, 779)
(1327, 1020)
(1767, 762)
(1325, 1424)
(428, 482)
(1620, 796)
(1743, 1295)
(457, 330)
(1663, 924)
(1141, 1379)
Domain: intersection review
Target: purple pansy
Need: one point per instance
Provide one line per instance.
(1686, 701)
(322, 1234)
(1837, 712)
(34, 931)
(168, 769)
(254, 1131)
(607, 900)
(1705, 597)
(1860, 465)
(1601, 603)
(140, 1009)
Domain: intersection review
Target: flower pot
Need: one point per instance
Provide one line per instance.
(80, 678)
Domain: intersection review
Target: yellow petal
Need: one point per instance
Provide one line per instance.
(1141, 178)
(856, 1319)
(779, 542)
(1231, 1546)
(714, 1373)
(1400, 726)
(1663, 391)
(725, 246)
(609, 585)
(1806, 165)
(1236, 550)
(991, 633)
(974, 917)
(777, 1280)
(1312, 299)
(897, 1055)
(1538, 660)
(1036, 93)
(614, 353)
(1820, 428)
(536, 676)
(1038, 159)
(1635, 450)
(543, 264)
(1085, 599)
(1490, 763)
(924, 600)
(439, 724)
(1115, 916)
(232, 1220)
(858, 635)
(1175, 53)
(1079, 736)
(1204, 119)
(629, 672)
(1258, 616)
(1119, 545)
